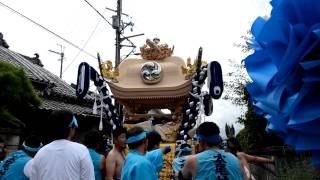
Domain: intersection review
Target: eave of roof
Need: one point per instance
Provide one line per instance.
(58, 105)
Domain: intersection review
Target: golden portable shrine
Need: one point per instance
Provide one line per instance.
(143, 87)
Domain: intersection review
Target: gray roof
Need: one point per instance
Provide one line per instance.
(57, 105)
(58, 94)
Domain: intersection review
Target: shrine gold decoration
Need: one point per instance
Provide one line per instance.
(152, 50)
(191, 69)
(108, 71)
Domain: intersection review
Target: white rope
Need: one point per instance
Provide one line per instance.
(201, 108)
(101, 110)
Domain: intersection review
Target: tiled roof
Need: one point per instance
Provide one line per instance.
(34, 60)
(61, 95)
(58, 105)
(33, 71)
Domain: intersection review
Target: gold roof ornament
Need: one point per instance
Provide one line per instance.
(153, 50)
(191, 69)
(109, 72)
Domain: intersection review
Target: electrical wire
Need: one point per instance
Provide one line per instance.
(84, 45)
(138, 28)
(98, 12)
(48, 30)
(133, 50)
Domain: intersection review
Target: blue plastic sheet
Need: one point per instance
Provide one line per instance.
(285, 72)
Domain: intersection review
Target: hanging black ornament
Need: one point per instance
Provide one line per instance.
(83, 80)
(215, 80)
(208, 105)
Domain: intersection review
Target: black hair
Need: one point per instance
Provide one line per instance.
(234, 145)
(184, 146)
(154, 138)
(118, 131)
(32, 141)
(208, 129)
(58, 124)
(92, 139)
(133, 132)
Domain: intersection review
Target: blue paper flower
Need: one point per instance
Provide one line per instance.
(285, 72)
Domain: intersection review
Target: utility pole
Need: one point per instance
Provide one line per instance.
(61, 53)
(119, 27)
(118, 32)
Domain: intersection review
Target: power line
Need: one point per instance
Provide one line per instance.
(98, 12)
(116, 11)
(48, 30)
(119, 27)
(84, 45)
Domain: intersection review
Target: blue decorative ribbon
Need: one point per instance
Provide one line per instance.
(73, 123)
(285, 72)
(137, 138)
(30, 149)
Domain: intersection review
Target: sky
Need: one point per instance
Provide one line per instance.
(186, 24)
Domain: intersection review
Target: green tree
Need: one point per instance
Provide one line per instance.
(242, 45)
(253, 135)
(235, 84)
(16, 92)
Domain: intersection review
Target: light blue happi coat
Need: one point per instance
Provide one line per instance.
(217, 164)
(96, 157)
(137, 167)
(11, 168)
(156, 159)
(178, 163)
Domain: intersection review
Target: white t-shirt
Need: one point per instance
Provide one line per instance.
(61, 160)
(28, 170)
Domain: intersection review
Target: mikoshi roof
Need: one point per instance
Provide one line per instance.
(130, 85)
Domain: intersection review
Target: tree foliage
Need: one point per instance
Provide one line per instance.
(235, 84)
(253, 135)
(16, 92)
(242, 45)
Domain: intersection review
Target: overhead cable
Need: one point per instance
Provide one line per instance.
(48, 30)
(98, 12)
(84, 45)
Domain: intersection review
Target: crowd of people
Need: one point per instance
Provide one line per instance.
(63, 159)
